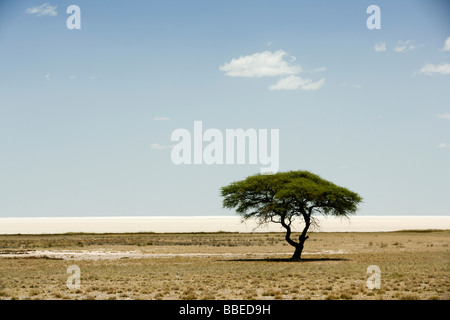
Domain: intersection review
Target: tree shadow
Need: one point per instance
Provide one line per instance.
(285, 260)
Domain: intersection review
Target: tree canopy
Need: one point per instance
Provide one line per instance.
(285, 196)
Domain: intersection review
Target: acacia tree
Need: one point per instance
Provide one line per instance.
(285, 196)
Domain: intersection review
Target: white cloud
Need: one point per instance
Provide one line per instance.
(157, 146)
(313, 85)
(320, 69)
(47, 76)
(380, 46)
(430, 69)
(162, 119)
(93, 78)
(296, 82)
(446, 45)
(262, 64)
(43, 10)
(443, 145)
(272, 64)
(405, 46)
(444, 116)
(344, 166)
(72, 77)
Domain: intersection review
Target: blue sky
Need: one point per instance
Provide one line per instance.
(86, 115)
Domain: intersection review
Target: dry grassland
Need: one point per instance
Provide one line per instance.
(414, 265)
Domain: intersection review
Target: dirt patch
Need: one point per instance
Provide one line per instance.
(134, 254)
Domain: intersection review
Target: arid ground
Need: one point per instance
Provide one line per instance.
(413, 264)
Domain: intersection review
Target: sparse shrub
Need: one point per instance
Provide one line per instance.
(159, 296)
(345, 296)
(189, 296)
(409, 297)
(271, 292)
(34, 292)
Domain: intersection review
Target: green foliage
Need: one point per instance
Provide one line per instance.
(282, 196)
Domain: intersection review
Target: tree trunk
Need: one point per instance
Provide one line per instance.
(301, 240)
(297, 253)
(299, 248)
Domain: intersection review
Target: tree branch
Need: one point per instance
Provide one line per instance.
(288, 232)
(271, 220)
(307, 217)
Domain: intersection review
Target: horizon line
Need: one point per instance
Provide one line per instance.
(211, 216)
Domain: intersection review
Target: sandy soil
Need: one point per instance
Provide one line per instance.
(136, 254)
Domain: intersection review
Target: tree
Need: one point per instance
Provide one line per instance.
(285, 196)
